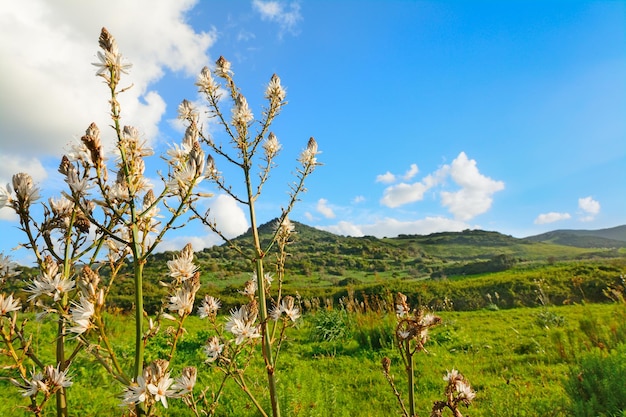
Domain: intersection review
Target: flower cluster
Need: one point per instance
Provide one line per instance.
(50, 282)
(413, 327)
(47, 382)
(242, 323)
(288, 307)
(155, 385)
(458, 391)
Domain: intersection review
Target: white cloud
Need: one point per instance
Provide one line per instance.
(275, 12)
(475, 195)
(358, 199)
(551, 217)
(324, 209)
(391, 227)
(386, 178)
(590, 206)
(48, 79)
(10, 165)
(413, 170)
(229, 217)
(403, 193)
(309, 216)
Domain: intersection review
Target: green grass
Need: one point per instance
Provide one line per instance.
(517, 365)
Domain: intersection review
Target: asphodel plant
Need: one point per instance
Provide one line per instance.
(112, 217)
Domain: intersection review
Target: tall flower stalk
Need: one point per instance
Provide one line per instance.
(250, 149)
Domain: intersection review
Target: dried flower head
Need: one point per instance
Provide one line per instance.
(91, 139)
(308, 157)
(222, 68)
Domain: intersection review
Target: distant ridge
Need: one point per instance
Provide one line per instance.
(614, 237)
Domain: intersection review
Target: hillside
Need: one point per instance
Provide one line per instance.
(316, 253)
(614, 237)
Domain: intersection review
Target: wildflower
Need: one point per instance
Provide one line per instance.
(56, 377)
(111, 60)
(7, 267)
(205, 82)
(79, 185)
(452, 375)
(287, 306)
(181, 302)
(249, 289)
(136, 392)
(274, 91)
(5, 196)
(186, 111)
(222, 68)
(241, 324)
(213, 348)
(81, 315)
(242, 115)
(211, 171)
(8, 304)
(182, 267)
(25, 190)
(209, 307)
(466, 394)
(36, 384)
(161, 390)
(184, 384)
(60, 285)
(271, 146)
(308, 156)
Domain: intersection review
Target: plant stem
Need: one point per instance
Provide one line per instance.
(411, 376)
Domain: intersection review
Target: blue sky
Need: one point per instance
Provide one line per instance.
(431, 116)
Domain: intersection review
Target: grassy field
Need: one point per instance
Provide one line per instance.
(518, 360)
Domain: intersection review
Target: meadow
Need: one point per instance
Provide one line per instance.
(521, 362)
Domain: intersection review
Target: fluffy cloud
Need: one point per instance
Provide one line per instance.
(391, 227)
(590, 207)
(413, 170)
(551, 217)
(51, 85)
(475, 195)
(229, 217)
(324, 209)
(386, 178)
(275, 12)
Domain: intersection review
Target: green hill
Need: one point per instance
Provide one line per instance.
(614, 237)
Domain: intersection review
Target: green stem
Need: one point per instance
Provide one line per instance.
(411, 377)
(260, 279)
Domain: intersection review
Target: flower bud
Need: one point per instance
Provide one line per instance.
(222, 68)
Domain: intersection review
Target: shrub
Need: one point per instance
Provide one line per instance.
(597, 386)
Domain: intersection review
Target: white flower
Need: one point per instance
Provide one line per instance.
(465, 391)
(271, 146)
(25, 189)
(308, 156)
(186, 111)
(451, 375)
(287, 306)
(182, 267)
(213, 348)
(275, 91)
(241, 324)
(402, 310)
(5, 195)
(181, 302)
(36, 384)
(56, 377)
(205, 82)
(136, 392)
(7, 267)
(242, 115)
(161, 390)
(59, 286)
(184, 384)
(8, 304)
(222, 68)
(209, 307)
(81, 315)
